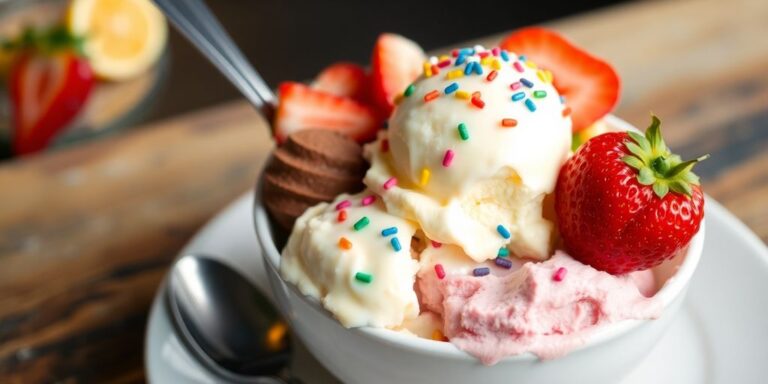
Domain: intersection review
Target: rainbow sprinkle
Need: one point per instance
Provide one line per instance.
(444, 63)
(495, 51)
(448, 158)
(431, 95)
(477, 102)
(539, 94)
(343, 204)
(427, 69)
(453, 87)
(363, 277)
(362, 223)
(504, 263)
(368, 200)
(503, 252)
(344, 243)
(515, 86)
(496, 64)
(389, 231)
(391, 182)
(460, 60)
(482, 271)
(463, 95)
(468, 68)
(504, 55)
(409, 91)
(455, 74)
(503, 231)
(531, 106)
(518, 96)
(518, 67)
(559, 275)
(526, 82)
(341, 216)
(439, 271)
(396, 244)
(508, 123)
(425, 173)
(492, 75)
(463, 133)
(566, 111)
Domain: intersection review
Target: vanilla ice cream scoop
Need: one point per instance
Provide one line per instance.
(356, 259)
(471, 151)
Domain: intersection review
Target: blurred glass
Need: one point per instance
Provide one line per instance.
(111, 107)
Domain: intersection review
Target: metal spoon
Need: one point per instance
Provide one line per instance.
(196, 22)
(225, 322)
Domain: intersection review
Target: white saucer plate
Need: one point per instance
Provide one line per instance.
(719, 336)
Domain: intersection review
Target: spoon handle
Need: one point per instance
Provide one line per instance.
(196, 22)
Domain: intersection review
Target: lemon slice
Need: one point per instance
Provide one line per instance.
(123, 37)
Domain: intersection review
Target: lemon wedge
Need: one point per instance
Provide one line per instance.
(123, 37)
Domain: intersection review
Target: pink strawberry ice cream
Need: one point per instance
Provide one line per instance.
(547, 308)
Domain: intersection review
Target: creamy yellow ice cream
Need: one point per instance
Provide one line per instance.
(475, 173)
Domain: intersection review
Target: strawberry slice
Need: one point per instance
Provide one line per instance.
(301, 107)
(589, 84)
(395, 64)
(47, 91)
(344, 79)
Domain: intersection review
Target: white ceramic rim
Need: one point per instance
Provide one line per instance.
(674, 287)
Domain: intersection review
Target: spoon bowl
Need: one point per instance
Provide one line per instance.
(225, 321)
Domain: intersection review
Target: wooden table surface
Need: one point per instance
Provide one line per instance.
(87, 234)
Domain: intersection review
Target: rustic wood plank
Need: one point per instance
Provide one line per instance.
(86, 234)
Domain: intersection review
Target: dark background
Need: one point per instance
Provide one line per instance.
(293, 40)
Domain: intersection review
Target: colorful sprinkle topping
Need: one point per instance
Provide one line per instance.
(477, 102)
(508, 123)
(482, 271)
(492, 75)
(455, 74)
(463, 95)
(503, 231)
(363, 277)
(396, 244)
(431, 95)
(427, 69)
(503, 252)
(463, 133)
(539, 94)
(389, 231)
(526, 82)
(341, 216)
(559, 275)
(566, 111)
(343, 204)
(504, 55)
(368, 200)
(504, 263)
(531, 106)
(391, 182)
(468, 69)
(362, 223)
(439, 271)
(451, 88)
(518, 96)
(518, 67)
(448, 158)
(344, 243)
(409, 91)
(425, 173)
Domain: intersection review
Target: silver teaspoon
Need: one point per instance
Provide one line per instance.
(225, 322)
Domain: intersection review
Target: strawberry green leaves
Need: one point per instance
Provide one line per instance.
(656, 165)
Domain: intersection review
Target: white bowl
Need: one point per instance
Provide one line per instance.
(374, 355)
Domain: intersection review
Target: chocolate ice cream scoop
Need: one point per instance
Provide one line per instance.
(311, 167)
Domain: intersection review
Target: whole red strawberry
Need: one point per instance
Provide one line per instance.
(625, 203)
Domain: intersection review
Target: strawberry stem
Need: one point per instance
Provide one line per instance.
(656, 165)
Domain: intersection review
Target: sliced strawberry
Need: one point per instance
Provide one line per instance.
(47, 91)
(344, 79)
(396, 62)
(301, 107)
(589, 84)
